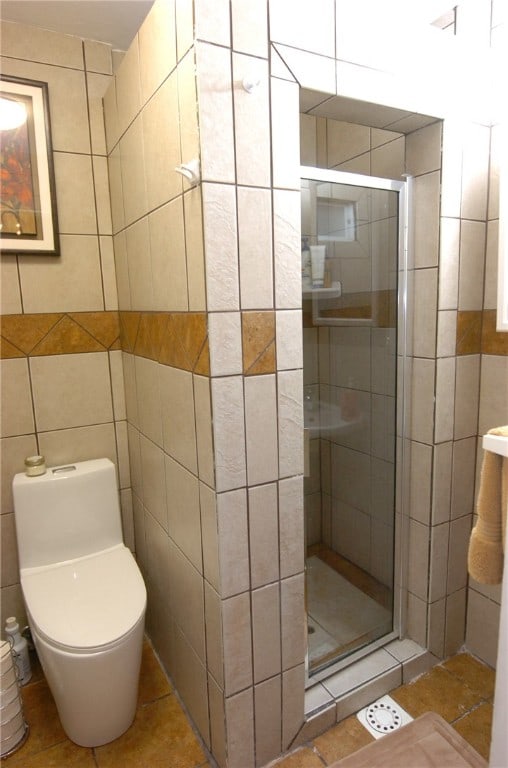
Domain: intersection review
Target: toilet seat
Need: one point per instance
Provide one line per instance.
(86, 605)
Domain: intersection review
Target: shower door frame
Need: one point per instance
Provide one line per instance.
(402, 400)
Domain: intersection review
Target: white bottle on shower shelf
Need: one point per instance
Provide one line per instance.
(19, 648)
(306, 266)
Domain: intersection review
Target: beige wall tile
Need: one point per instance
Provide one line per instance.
(111, 124)
(21, 41)
(292, 623)
(10, 563)
(446, 333)
(240, 738)
(72, 284)
(416, 619)
(422, 400)
(460, 530)
(437, 613)
(286, 240)
(475, 171)
(134, 177)
(184, 26)
(308, 140)
(127, 519)
(67, 101)
(10, 297)
(187, 600)
(232, 530)
(209, 535)
(98, 57)
(149, 406)
(463, 478)
(482, 627)
(285, 134)
(425, 308)
(64, 446)
(236, 630)
(116, 190)
(13, 604)
(225, 339)
(490, 291)
(184, 523)
(441, 488)
(293, 682)
(168, 264)
(188, 107)
(438, 561)
(214, 86)
(190, 679)
(97, 86)
(154, 486)
(312, 71)
(217, 721)
(16, 399)
(221, 251)
(267, 697)
(135, 462)
(122, 271)
(418, 559)
(472, 259)
(495, 149)
(388, 161)
(157, 47)
(161, 147)
(291, 526)
(445, 399)
(139, 265)
(252, 121)
(266, 632)
(426, 225)
(345, 141)
(14, 452)
(194, 249)
(255, 248)
(212, 21)
(263, 535)
(204, 429)
(290, 423)
(229, 433)
(213, 621)
(312, 29)
(420, 482)
(451, 174)
(455, 623)
(466, 396)
(71, 390)
(249, 27)
(103, 206)
(493, 392)
(122, 447)
(128, 87)
(108, 272)
(423, 149)
(178, 424)
(261, 428)
(131, 398)
(449, 264)
(289, 339)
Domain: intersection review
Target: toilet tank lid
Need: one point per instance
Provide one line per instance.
(88, 602)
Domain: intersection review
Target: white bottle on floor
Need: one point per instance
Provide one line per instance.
(19, 650)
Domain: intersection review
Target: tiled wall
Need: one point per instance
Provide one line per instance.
(62, 381)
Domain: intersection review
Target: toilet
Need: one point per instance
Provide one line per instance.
(84, 595)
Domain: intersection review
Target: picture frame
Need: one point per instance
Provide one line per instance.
(28, 214)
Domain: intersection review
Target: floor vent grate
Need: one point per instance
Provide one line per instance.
(383, 716)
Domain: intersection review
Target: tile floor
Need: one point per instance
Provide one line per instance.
(460, 689)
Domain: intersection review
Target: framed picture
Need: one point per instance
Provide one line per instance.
(27, 184)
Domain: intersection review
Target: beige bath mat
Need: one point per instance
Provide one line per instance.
(427, 742)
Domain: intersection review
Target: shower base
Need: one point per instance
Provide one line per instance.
(341, 617)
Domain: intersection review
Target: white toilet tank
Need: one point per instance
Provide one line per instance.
(71, 511)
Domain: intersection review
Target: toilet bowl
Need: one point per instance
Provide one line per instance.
(84, 594)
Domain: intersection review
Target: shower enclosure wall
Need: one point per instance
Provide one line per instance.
(350, 326)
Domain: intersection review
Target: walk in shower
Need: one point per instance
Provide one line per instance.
(352, 296)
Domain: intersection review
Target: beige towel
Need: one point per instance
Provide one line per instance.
(485, 556)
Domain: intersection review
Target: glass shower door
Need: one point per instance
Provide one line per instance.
(351, 238)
